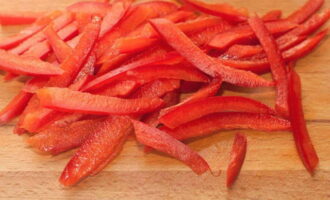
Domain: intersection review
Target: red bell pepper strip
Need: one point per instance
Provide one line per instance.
(10, 42)
(113, 16)
(58, 139)
(207, 91)
(101, 147)
(224, 10)
(15, 107)
(302, 139)
(42, 49)
(262, 65)
(163, 142)
(193, 110)
(228, 121)
(31, 107)
(150, 73)
(118, 89)
(183, 45)
(60, 48)
(34, 84)
(237, 157)
(27, 66)
(157, 88)
(244, 33)
(57, 98)
(90, 7)
(88, 70)
(19, 18)
(309, 8)
(272, 15)
(58, 24)
(242, 51)
(118, 73)
(276, 62)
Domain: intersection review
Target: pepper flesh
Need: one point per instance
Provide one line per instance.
(237, 157)
(302, 139)
(227, 121)
(199, 108)
(309, 8)
(163, 142)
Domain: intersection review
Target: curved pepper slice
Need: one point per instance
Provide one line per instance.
(10, 42)
(58, 24)
(272, 15)
(309, 8)
(72, 101)
(15, 107)
(193, 110)
(228, 121)
(183, 45)
(262, 65)
(163, 142)
(90, 7)
(276, 63)
(157, 88)
(244, 32)
(302, 139)
(18, 18)
(101, 147)
(225, 11)
(149, 73)
(58, 139)
(27, 66)
(237, 157)
(60, 48)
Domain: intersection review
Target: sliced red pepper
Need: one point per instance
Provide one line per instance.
(193, 110)
(309, 8)
(34, 84)
(237, 157)
(183, 45)
(276, 62)
(118, 89)
(242, 51)
(26, 33)
(262, 65)
(244, 32)
(88, 70)
(302, 139)
(60, 48)
(57, 98)
(90, 7)
(58, 24)
(27, 66)
(15, 107)
(42, 49)
(150, 73)
(272, 15)
(228, 121)
(223, 10)
(163, 142)
(101, 147)
(58, 139)
(157, 88)
(120, 72)
(19, 18)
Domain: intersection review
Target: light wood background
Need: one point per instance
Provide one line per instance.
(272, 169)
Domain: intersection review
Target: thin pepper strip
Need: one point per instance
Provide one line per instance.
(19, 18)
(163, 142)
(199, 108)
(309, 8)
(276, 62)
(156, 88)
(237, 157)
(183, 45)
(66, 100)
(228, 121)
(101, 147)
(302, 139)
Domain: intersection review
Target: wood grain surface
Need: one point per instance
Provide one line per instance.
(272, 169)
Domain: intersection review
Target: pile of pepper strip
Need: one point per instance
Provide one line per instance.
(99, 72)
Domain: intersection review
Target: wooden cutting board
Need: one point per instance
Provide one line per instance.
(272, 169)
